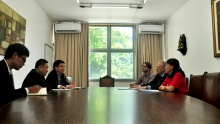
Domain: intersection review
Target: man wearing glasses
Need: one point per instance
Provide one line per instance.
(146, 77)
(56, 78)
(15, 58)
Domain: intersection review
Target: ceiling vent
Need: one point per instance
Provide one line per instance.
(151, 28)
(67, 27)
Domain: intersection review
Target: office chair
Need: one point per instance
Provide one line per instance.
(195, 87)
(106, 81)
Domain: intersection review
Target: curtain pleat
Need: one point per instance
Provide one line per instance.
(149, 49)
(72, 48)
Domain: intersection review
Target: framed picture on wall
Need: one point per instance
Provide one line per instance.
(216, 26)
(12, 27)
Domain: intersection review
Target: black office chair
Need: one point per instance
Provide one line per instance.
(106, 81)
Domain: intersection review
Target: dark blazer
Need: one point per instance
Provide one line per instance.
(52, 79)
(7, 92)
(157, 81)
(34, 78)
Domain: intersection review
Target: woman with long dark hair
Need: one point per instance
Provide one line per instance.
(175, 80)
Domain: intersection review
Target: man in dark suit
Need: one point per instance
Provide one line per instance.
(56, 78)
(36, 76)
(15, 57)
(159, 78)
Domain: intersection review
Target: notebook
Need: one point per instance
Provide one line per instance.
(43, 91)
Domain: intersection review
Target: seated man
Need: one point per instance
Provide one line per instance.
(56, 78)
(146, 77)
(15, 57)
(159, 78)
(36, 76)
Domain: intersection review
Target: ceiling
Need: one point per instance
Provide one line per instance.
(69, 10)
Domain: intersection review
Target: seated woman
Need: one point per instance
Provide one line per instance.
(175, 80)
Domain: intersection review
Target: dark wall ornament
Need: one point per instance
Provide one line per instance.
(182, 44)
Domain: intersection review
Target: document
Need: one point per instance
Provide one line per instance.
(145, 90)
(68, 89)
(78, 88)
(43, 91)
(61, 89)
(126, 88)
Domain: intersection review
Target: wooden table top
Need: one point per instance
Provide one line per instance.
(101, 105)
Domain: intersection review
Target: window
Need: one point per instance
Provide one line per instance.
(112, 52)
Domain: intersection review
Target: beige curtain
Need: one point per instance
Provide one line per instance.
(72, 48)
(149, 49)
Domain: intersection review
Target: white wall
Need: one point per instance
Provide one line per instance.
(38, 32)
(194, 20)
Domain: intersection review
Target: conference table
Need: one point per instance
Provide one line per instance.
(109, 105)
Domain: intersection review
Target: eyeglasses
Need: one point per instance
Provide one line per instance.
(24, 59)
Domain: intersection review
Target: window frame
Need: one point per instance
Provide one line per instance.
(108, 50)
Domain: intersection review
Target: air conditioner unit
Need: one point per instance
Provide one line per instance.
(67, 27)
(151, 28)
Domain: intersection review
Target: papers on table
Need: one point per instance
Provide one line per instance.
(61, 89)
(141, 90)
(147, 90)
(126, 88)
(43, 91)
(75, 88)
(78, 88)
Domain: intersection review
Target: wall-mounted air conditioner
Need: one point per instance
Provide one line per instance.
(67, 27)
(151, 28)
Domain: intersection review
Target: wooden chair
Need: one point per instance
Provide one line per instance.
(195, 87)
(106, 81)
(211, 91)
